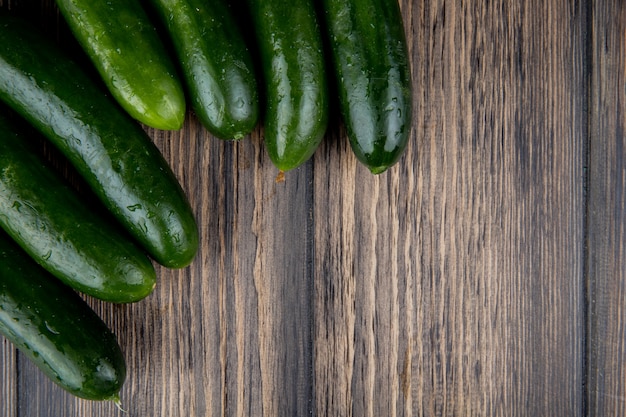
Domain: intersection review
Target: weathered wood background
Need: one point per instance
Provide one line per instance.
(483, 275)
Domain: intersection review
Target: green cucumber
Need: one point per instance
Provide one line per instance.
(46, 217)
(216, 63)
(373, 77)
(110, 150)
(56, 329)
(125, 48)
(292, 60)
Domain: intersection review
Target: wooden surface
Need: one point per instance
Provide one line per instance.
(481, 276)
(606, 280)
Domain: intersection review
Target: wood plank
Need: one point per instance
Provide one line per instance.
(8, 376)
(248, 294)
(606, 382)
(452, 285)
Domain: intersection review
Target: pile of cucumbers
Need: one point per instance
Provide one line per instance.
(154, 58)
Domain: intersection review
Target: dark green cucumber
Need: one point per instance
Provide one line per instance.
(107, 147)
(373, 77)
(125, 48)
(216, 63)
(292, 59)
(56, 329)
(46, 217)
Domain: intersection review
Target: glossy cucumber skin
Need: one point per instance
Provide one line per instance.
(56, 329)
(46, 217)
(110, 150)
(373, 77)
(292, 59)
(126, 50)
(216, 63)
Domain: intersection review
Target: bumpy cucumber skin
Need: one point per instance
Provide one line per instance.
(113, 154)
(216, 63)
(60, 232)
(373, 77)
(292, 59)
(126, 50)
(56, 329)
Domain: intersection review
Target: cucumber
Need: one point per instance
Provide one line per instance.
(292, 60)
(216, 64)
(110, 150)
(125, 48)
(56, 329)
(372, 74)
(48, 219)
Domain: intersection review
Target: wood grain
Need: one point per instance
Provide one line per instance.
(481, 276)
(8, 365)
(607, 213)
(455, 284)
